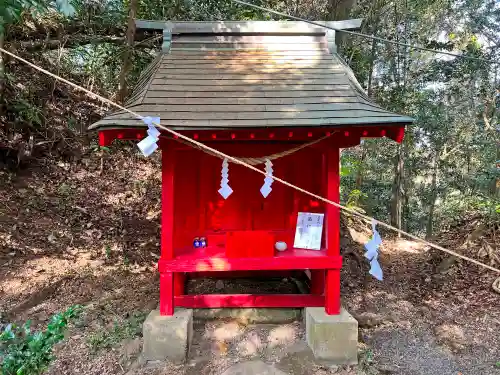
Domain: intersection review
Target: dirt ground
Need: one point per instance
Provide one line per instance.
(86, 232)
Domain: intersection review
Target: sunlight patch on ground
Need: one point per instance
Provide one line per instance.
(407, 246)
(282, 335)
(226, 331)
(250, 345)
(358, 237)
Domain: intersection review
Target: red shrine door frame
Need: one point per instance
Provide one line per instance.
(325, 268)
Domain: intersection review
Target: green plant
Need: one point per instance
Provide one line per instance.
(497, 365)
(366, 358)
(28, 112)
(108, 251)
(24, 352)
(354, 200)
(100, 149)
(64, 189)
(105, 339)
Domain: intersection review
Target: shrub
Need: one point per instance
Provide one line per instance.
(24, 352)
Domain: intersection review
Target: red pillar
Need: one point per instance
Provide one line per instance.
(179, 283)
(318, 276)
(167, 227)
(317, 281)
(166, 293)
(332, 282)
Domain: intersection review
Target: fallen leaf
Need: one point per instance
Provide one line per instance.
(222, 346)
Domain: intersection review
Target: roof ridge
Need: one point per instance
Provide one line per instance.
(360, 91)
(153, 73)
(145, 79)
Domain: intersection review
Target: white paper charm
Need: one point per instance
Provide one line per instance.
(150, 122)
(225, 190)
(266, 189)
(372, 253)
(148, 145)
(375, 269)
(153, 132)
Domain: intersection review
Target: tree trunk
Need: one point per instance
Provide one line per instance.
(369, 90)
(2, 68)
(359, 173)
(339, 10)
(405, 215)
(434, 194)
(497, 181)
(128, 52)
(396, 196)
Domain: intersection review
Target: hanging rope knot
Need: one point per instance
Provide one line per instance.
(225, 190)
(266, 189)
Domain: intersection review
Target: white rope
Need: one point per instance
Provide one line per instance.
(237, 161)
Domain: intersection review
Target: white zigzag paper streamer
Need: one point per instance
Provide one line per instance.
(266, 189)
(149, 144)
(372, 253)
(225, 190)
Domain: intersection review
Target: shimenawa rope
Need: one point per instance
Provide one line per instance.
(220, 154)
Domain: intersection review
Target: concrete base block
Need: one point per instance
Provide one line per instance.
(333, 338)
(167, 337)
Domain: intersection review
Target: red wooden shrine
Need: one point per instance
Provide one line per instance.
(192, 207)
(249, 89)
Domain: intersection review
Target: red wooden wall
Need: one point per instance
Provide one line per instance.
(199, 209)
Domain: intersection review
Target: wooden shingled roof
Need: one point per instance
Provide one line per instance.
(264, 74)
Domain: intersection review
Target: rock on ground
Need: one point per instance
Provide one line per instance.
(252, 368)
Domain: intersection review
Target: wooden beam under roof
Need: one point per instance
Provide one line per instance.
(247, 27)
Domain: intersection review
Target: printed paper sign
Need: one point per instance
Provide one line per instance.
(308, 231)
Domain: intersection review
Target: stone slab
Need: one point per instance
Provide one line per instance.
(249, 315)
(167, 337)
(332, 338)
(252, 368)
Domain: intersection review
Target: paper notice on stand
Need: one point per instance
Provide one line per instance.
(309, 230)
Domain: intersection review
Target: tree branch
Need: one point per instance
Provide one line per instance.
(76, 41)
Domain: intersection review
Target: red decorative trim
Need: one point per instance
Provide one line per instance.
(106, 136)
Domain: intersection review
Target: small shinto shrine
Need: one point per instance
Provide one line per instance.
(257, 90)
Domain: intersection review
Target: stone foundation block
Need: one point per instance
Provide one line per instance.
(167, 337)
(332, 338)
